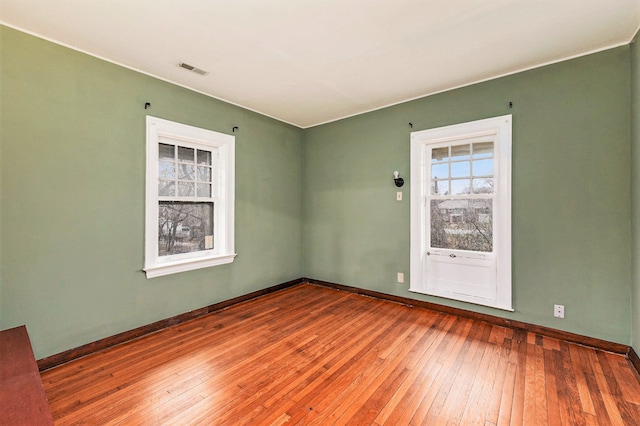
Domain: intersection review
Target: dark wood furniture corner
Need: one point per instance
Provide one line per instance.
(22, 397)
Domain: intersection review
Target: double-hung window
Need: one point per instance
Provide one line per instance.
(189, 198)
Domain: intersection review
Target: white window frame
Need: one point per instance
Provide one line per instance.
(421, 187)
(165, 131)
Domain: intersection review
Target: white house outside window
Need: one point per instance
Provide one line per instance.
(189, 198)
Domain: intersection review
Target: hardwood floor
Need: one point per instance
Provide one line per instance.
(316, 356)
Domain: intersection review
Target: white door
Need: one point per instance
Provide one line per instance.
(461, 212)
(459, 217)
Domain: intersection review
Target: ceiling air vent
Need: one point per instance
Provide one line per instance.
(192, 68)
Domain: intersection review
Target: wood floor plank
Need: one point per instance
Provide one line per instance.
(371, 402)
(350, 386)
(312, 355)
(519, 356)
(299, 334)
(480, 395)
(573, 397)
(553, 407)
(498, 383)
(608, 395)
(322, 357)
(580, 369)
(341, 371)
(508, 395)
(586, 369)
(451, 359)
(530, 390)
(541, 401)
(624, 377)
(302, 399)
(403, 405)
(263, 389)
(626, 413)
(402, 359)
(457, 399)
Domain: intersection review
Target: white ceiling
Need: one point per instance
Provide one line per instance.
(308, 62)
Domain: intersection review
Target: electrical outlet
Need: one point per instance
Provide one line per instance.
(558, 311)
(400, 277)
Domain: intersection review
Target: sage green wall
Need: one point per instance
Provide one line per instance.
(635, 195)
(571, 185)
(73, 156)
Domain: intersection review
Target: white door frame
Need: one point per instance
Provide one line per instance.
(500, 129)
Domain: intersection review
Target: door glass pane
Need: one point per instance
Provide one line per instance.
(483, 186)
(166, 188)
(483, 150)
(186, 155)
(460, 186)
(184, 227)
(186, 172)
(186, 189)
(204, 190)
(204, 157)
(439, 155)
(440, 187)
(460, 152)
(166, 152)
(440, 171)
(462, 224)
(204, 174)
(166, 170)
(483, 167)
(461, 169)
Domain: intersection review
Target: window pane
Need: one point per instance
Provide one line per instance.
(483, 186)
(166, 152)
(440, 187)
(204, 157)
(204, 190)
(186, 189)
(166, 170)
(440, 171)
(461, 169)
(186, 172)
(184, 227)
(483, 150)
(186, 155)
(204, 174)
(460, 152)
(483, 167)
(462, 224)
(438, 155)
(460, 186)
(166, 188)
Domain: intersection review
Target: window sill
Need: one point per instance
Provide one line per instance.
(167, 268)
